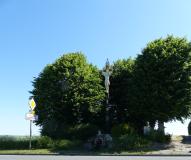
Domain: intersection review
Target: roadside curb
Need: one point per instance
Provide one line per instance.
(133, 155)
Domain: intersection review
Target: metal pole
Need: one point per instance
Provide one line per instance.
(30, 134)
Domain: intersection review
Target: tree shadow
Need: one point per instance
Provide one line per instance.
(103, 151)
(156, 147)
(186, 140)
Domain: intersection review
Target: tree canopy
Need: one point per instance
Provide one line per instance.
(155, 86)
(162, 79)
(121, 83)
(68, 92)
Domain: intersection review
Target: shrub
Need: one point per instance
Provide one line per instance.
(44, 142)
(65, 144)
(121, 129)
(62, 144)
(130, 142)
(159, 137)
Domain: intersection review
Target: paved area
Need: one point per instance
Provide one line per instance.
(12, 157)
(180, 145)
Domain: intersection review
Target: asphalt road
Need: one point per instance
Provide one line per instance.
(30, 157)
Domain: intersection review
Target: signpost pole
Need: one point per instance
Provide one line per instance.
(31, 116)
(30, 134)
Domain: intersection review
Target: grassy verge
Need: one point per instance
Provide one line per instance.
(33, 151)
(68, 152)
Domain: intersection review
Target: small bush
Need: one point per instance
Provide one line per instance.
(44, 142)
(62, 144)
(159, 137)
(121, 129)
(65, 144)
(130, 142)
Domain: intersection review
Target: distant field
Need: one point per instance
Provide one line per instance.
(36, 151)
(16, 142)
(37, 142)
(16, 137)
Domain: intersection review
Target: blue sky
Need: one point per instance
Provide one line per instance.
(34, 33)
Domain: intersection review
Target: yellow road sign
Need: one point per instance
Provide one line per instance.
(32, 104)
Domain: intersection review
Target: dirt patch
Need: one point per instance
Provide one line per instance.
(179, 145)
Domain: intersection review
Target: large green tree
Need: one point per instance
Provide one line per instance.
(120, 89)
(162, 80)
(68, 92)
(125, 108)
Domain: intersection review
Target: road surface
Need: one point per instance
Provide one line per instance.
(31, 157)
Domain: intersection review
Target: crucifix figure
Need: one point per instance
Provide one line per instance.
(106, 73)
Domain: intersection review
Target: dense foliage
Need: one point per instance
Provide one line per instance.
(68, 92)
(162, 80)
(120, 90)
(189, 128)
(155, 86)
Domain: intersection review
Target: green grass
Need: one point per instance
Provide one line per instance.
(68, 152)
(33, 151)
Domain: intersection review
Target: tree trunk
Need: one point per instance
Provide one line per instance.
(161, 126)
(152, 125)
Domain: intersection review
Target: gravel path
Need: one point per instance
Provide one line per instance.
(180, 145)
